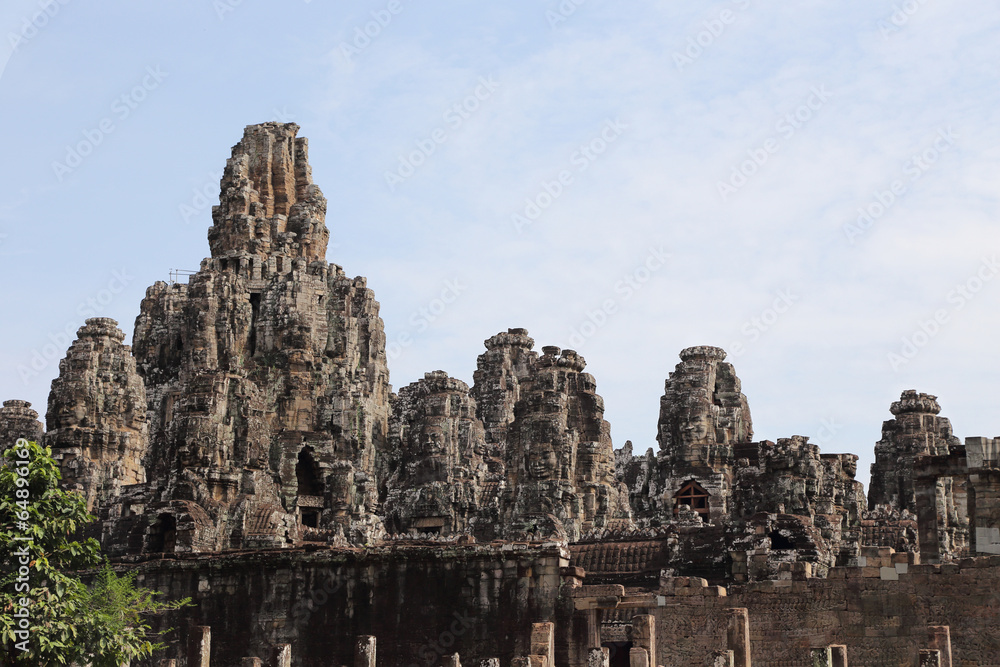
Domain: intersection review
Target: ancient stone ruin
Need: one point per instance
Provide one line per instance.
(248, 451)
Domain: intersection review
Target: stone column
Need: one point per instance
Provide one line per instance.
(251, 662)
(738, 635)
(839, 654)
(200, 646)
(599, 657)
(364, 651)
(638, 657)
(930, 657)
(820, 657)
(941, 640)
(543, 641)
(284, 656)
(927, 518)
(644, 635)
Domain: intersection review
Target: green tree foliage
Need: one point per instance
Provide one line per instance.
(65, 620)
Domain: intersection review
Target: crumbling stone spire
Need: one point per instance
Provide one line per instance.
(496, 383)
(266, 372)
(703, 412)
(97, 415)
(269, 206)
(18, 420)
(439, 443)
(915, 430)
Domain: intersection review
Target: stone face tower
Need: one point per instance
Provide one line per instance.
(266, 373)
(703, 417)
(438, 442)
(560, 461)
(18, 420)
(97, 416)
(916, 430)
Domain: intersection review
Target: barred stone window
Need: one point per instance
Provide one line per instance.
(694, 496)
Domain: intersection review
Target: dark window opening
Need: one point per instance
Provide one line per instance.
(310, 518)
(618, 653)
(163, 538)
(694, 496)
(781, 542)
(254, 314)
(307, 474)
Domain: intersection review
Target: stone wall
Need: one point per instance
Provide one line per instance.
(881, 612)
(421, 602)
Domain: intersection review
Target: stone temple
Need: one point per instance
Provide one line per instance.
(248, 451)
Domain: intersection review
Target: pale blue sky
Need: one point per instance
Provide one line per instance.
(871, 90)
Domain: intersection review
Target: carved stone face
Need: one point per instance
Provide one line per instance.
(695, 430)
(850, 464)
(590, 458)
(542, 461)
(430, 441)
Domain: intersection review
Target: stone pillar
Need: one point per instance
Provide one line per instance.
(599, 657)
(364, 651)
(251, 662)
(593, 627)
(930, 658)
(738, 635)
(838, 653)
(941, 641)
(543, 641)
(820, 657)
(927, 518)
(284, 656)
(644, 635)
(638, 657)
(199, 646)
(451, 661)
(720, 659)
